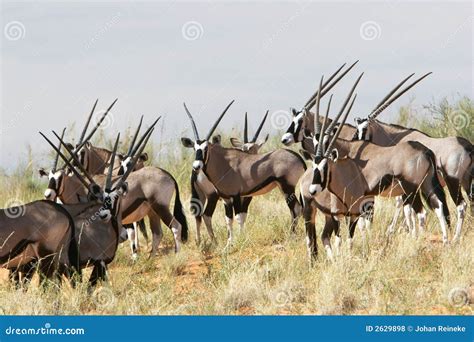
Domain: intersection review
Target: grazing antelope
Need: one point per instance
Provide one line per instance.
(353, 171)
(150, 191)
(234, 174)
(454, 155)
(98, 222)
(302, 128)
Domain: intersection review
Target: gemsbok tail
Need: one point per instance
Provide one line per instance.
(436, 187)
(178, 213)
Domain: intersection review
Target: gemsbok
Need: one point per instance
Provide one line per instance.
(98, 221)
(234, 174)
(355, 170)
(454, 155)
(245, 145)
(38, 235)
(302, 130)
(150, 191)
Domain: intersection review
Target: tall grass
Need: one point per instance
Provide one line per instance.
(267, 270)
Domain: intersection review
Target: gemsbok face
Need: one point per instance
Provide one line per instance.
(324, 154)
(201, 146)
(363, 131)
(126, 160)
(300, 124)
(294, 133)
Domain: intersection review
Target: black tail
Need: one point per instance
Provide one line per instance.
(437, 187)
(178, 213)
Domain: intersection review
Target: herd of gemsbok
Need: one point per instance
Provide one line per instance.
(97, 198)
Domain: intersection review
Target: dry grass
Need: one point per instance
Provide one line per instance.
(267, 272)
(267, 269)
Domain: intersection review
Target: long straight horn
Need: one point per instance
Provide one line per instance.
(319, 149)
(213, 128)
(379, 110)
(339, 129)
(193, 124)
(246, 130)
(327, 88)
(89, 136)
(56, 159)
(74, 157)
(83, 134)
(135, 149)
(311, 99)
(338, 116)
(135, 136)
(135, 159)
(317, 124)
(259, 129)
(108, 180)
(391, 92)
(71, 167)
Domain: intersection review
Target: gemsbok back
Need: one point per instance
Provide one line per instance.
(353, 171)
(454, 155)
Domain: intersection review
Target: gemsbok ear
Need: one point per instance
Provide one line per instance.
(294, 112)
(216, 139)
(334, 155)
(236, 142)
(188, 143)
(42, 173)
(306, 155)
(264, 140)
(144, 157)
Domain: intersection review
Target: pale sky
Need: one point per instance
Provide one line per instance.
(58, 57)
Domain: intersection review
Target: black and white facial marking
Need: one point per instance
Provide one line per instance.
(201, 154)
(201, 148)
(54, 184)
(320, 172)
(111, 202)
(125, 165)
(294, 133)
(362, 126)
